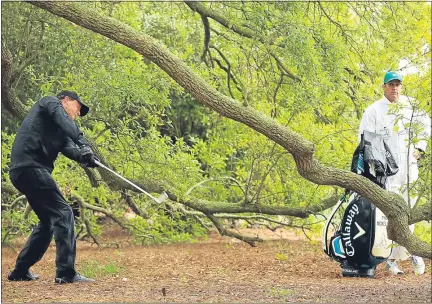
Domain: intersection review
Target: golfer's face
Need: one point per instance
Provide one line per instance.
(392, 90)
(72, 108)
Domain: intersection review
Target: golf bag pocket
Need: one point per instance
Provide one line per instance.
(337, 248)
(382, 246)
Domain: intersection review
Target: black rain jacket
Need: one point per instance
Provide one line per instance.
(46, 131)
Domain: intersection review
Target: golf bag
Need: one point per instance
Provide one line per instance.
(360, 242)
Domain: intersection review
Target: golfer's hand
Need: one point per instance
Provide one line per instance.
(92, 162)
(87, 157)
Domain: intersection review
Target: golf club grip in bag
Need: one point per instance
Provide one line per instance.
(360, 243)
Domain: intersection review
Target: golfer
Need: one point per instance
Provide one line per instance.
(48, 129)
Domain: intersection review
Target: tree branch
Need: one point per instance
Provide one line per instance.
(9, 101)
(241, 30)
(7, 188)
(108, 213)
(131, 203)
(86, 222)
(21, 197)
(224, 207)
(223, 231)
(420, 213)
(255, 217)
(206, 36)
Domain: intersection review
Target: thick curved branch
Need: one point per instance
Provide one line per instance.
(257, 217)
(180, 72)
(207, 207)
(195, 214)
(393, 205)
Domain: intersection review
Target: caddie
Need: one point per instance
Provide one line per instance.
(396, 122)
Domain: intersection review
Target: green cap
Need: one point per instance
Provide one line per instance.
(392, 75)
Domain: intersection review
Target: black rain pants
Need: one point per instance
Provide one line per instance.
(55, 218)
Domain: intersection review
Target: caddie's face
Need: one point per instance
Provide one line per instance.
(72, 107)
(392, 90)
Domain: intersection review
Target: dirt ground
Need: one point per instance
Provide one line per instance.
(218, 270)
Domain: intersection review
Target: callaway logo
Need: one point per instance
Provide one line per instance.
(361, 231)
(346, 234)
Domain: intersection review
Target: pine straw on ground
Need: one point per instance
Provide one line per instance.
(218, 270)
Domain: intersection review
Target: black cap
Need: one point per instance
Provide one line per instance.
(84, 108)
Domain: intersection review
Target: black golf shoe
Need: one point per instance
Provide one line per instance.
(26, 276)
(75, 279)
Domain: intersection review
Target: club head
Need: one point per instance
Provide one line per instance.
(162, 198)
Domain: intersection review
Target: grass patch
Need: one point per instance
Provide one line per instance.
(96, 269)
(279, 292)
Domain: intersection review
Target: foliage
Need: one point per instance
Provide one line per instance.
(423, 231)
(166, 228)
(15, 225)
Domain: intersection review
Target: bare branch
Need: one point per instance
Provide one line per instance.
(86, 222)
(206, 36)
(241, 30)
(131, 203)
(223, 231)
(21, 197)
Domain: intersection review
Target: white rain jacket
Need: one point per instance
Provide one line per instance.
(383, 118)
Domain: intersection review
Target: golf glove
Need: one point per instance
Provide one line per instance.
(87, 157)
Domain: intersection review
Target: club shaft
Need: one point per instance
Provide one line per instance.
(126, 180)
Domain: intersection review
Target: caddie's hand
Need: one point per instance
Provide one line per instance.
(418, 154)
(87, 157)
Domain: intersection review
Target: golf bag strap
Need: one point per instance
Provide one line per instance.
(329, 219)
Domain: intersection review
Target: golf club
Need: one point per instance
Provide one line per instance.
(159, 200)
